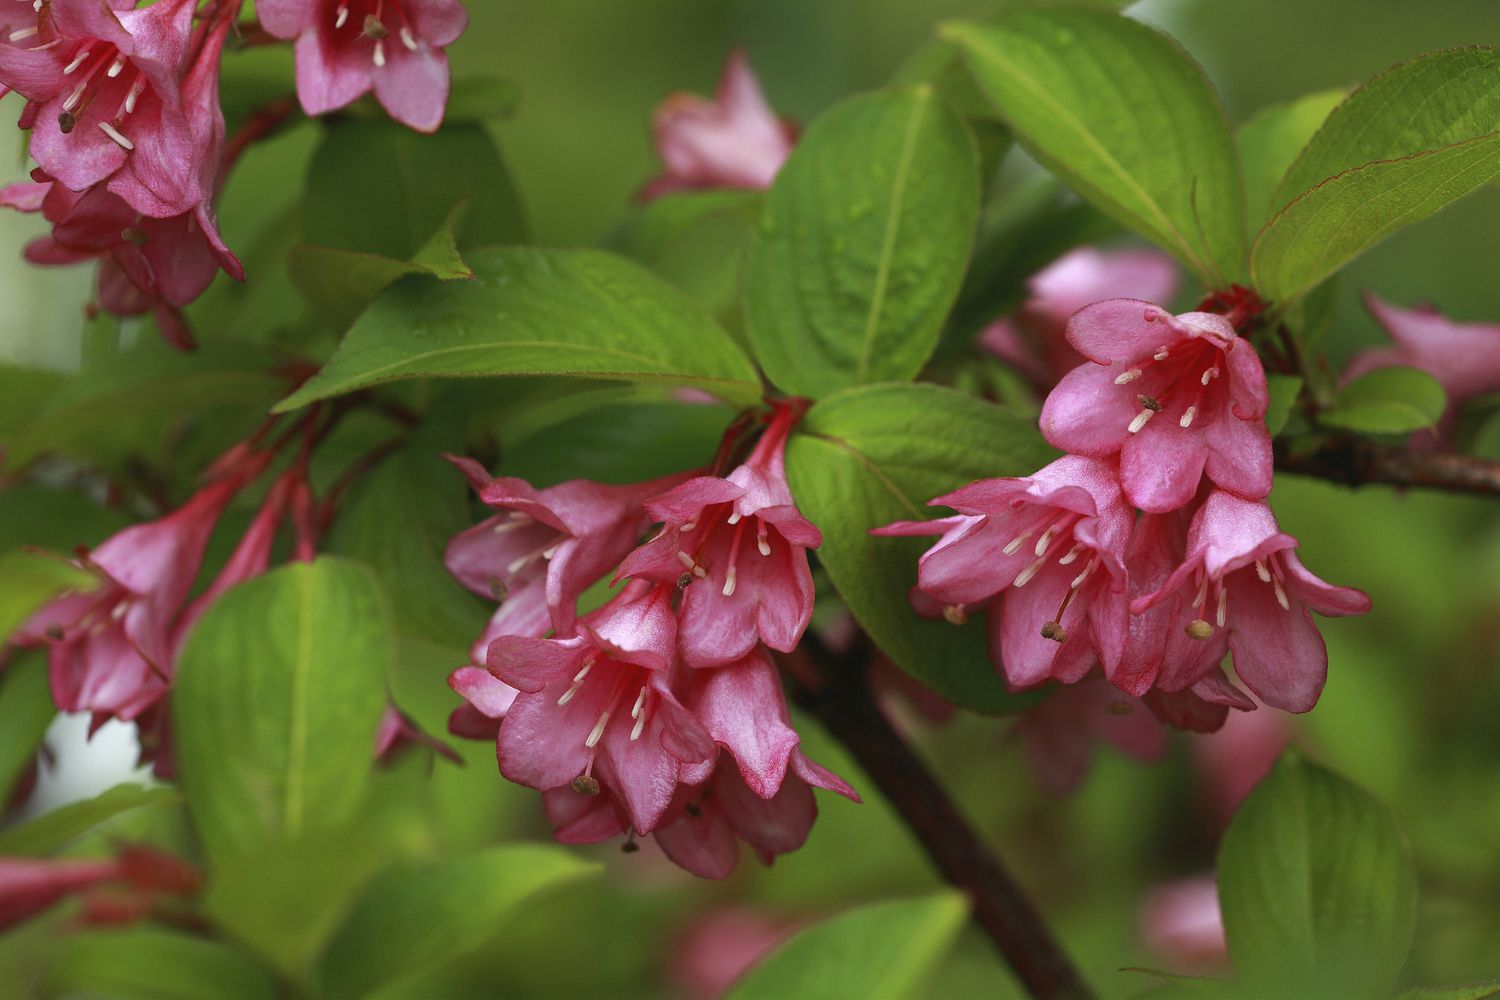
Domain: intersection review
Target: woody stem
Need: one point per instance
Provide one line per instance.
(834, 689)
(1353, 461)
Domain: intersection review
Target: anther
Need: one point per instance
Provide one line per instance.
(1209, 375)
(640, 703)
(115, 67)
(593, 739)
(1187, 416)
(379, 54)
(1262, 571)
(132, 96)
(1140, 421)
(24, 33)
(729, 581)
(762, 542)
(955, 614)
(567, 695)
(1199, 629)
(687, 526)
(1223, 605)
(408, 39)
(374, 27)
(1072, 555)
(1148, 402)
(734, 518)
(72, 101)
(586, 784)
(1128, 375)
(512, 523)
(1026, 574)
(1281, 596)
(1014, 545)
(135, 236)
(685, 559)
(1046, 539)
(637, 729)
(342, 18)
(66, 123)
(1162, 353)
(1054, 631)
(1087, 569)
(116, 135)
(77, 62)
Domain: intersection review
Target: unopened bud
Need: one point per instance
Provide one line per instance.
(1199, 629)
(1148, 402)
(956, 614)
(1119, 708)
(586, 784)
(375, 28)
(1054, 631)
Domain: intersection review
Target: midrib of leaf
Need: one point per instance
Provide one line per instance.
(1040, 93)
(296, 758)
(892, 227)
(874, 470)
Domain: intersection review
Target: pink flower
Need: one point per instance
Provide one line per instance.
(1464, 357)
(1060, 734)
(106, 100)
(545, 547)
(1053, 544)
(1032, 338)
(399, 733)
(1242, 577)
(1180, 921)
(31, 886)
(738, 546)
(717, 947)
(733, 141)
(1176, 396)
(346, 48)
(603, 700)
(486, 700)
(1231, 762)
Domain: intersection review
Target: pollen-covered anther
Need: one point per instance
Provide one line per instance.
(1119, 708)
(135, 235)
(585, 784)
(1054, 631)
(375, 28)
(1148, 402)
(1199, 629)
(955, 614)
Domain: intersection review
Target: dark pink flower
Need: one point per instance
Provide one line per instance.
(1241, 576)
(738, 546)
(31, 886)
(1032, 338)
(107, 105)
(1175, 396)
(1053, 544)
(606, 701)
(733, 141)
(1464, 357)
(1180, 921)
(399, 733)
(1060, 734)
(544, 548)
(347, 48)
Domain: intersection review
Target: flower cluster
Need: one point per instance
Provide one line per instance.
(661, 711)
(1149, 551)
(122, 106)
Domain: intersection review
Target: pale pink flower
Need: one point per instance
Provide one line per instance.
(1053, 544)
(732, 141)
(738, 546)
(717, 947)
(398, 734)
(1175, 396)
(1231, 762)
(1241, 576)
(1032, 337)
(1180, 921)
(1464, 357)
(347, 48)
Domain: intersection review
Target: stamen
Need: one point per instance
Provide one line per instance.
(407, 39)
(379, 54)
(512, 523)
(1072, 555)
(1261, 571)
(134, 95)
(1128, 375)
(1046, 539)
(1199, 629)
(686, 560)
(1140, 421)
(72, 101)
(1030, 571)
(1281, 596)
(729, 581)
(734, 518)
(1210, 375)
(1202, 590)
(640, 702)
(763, 544)
(342, 18)
(551, 551)
(1014, 545)
(1223, 604)
(24, 33)
(118, 611)
(586, 784)
(1087, 569)
(593, 739)
(955, 614)
(77, 62)
(1187, 416)
(687, 526)
(567, 695)
(115, 67)
(1162, 353)
(1054, 631)
(116, 135)
(638, 728)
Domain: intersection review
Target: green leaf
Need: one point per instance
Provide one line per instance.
(1125, 116)
(51, 831)
(583, 313)
(482, 98)
(414, 919)
(873, 455)
(53, 519)
(1317, 886)
(619, 443)
(1270, 142)
(28, 580)
(1434, 101)
(863, 243)
(145, 963)
(1469, 991)
(1391, 400)
(26, 710)
(425, 496)
(393, 210)
(22, 392)
(279, 691)
(1283, 390)
(1346, 215)
(881, 950)
(340, 284)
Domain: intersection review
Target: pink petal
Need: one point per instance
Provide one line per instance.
(744, 709)
(413, 86)
(1123, 330)
(1278, 653)
(1087, 413)
(1162, 464)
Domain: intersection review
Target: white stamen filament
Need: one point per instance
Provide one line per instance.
(1261, 571)
(551, 551)
(379, 53)
(687, 526)
(1223, 604)
(729, 581)
(512, 523)
(1281, 596)
(567, 695)
(1072, 555)
(116, 135)
(1161, 353)
(77, 62)
(639, 715)
(1087, 569)
(640, 703)
(1128, 375)
(1187, 416)
(1140, 421)
(637, 729)
(1041, 543)
(764, 544)
(734, 518)
(24, 33)
(1210, 375)
(134, 95)
(119, 610)
(1014, 545)
(72, 101)
(342, 18)
(686, 560)
(1202, 592)
(593, 739)
(408, 40)
(115, 67)
(1024, 577)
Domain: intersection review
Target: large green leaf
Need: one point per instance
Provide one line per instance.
(862, 243)
(1436, 100)
(1348, 214)
(413, 919)
(877, 950)
(1468, 991)
(26, 710)
(1390, 400)
(1317, 887)
(1119, 111)
(1270, 142)
(378, 187)
(582, 313)
(279, 691)
(146, 963)
(53, 830)
(877, 454)
(22, 392)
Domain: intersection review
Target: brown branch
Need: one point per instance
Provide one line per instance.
(837, 694)
(1353, 461)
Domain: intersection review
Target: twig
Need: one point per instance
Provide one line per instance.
(837, 693)
(1353, 461)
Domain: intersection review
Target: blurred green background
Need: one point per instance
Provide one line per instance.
(1414, 689)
